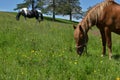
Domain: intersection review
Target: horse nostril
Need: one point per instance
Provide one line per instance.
(80, 50)
(80, 53)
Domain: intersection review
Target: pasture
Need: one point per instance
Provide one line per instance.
(46, 51)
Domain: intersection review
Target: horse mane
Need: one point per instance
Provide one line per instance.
(95, 12)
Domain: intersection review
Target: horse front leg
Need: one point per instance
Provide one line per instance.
(37, 18)
(25, 17)
(109, 41)
(41, 17)
(103, 42)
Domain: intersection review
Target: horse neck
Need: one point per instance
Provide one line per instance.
(87, 24)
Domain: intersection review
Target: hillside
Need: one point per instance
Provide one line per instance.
(46, 51)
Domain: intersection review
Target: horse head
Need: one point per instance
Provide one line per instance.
(18, 16)
(23, 12)
(81, 38)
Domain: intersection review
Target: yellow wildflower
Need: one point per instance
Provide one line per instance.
(117, 78)
(75, 62)
(101, 61)
(94, 71)
(32, 51)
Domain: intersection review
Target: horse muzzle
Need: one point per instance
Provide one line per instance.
(80, 50)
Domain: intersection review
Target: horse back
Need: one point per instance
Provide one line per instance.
(111, 17)
(31, 13)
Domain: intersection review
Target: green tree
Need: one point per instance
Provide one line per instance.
(63, 7)
(22, 5)
(50, 7)
(30, 3)
(69, 7)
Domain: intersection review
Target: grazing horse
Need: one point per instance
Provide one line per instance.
(106, 16)
(30, 14)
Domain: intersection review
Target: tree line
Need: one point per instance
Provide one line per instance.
(54, 7)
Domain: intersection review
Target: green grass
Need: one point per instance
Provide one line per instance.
(46, 51)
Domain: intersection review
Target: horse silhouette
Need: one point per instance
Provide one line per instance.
(30, 14)
(106, 16)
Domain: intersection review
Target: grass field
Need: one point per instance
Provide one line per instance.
(46, 51)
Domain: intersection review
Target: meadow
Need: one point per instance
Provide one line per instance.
(46, 51)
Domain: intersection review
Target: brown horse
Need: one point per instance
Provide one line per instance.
(106, 16)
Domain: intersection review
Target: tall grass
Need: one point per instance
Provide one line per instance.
(46, 51)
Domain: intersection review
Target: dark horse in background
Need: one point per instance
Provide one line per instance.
(106, 16)
(30, 14)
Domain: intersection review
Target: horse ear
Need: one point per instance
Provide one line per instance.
(80, 28)
(74, 26)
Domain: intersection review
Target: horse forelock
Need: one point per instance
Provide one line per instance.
(94, 13)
